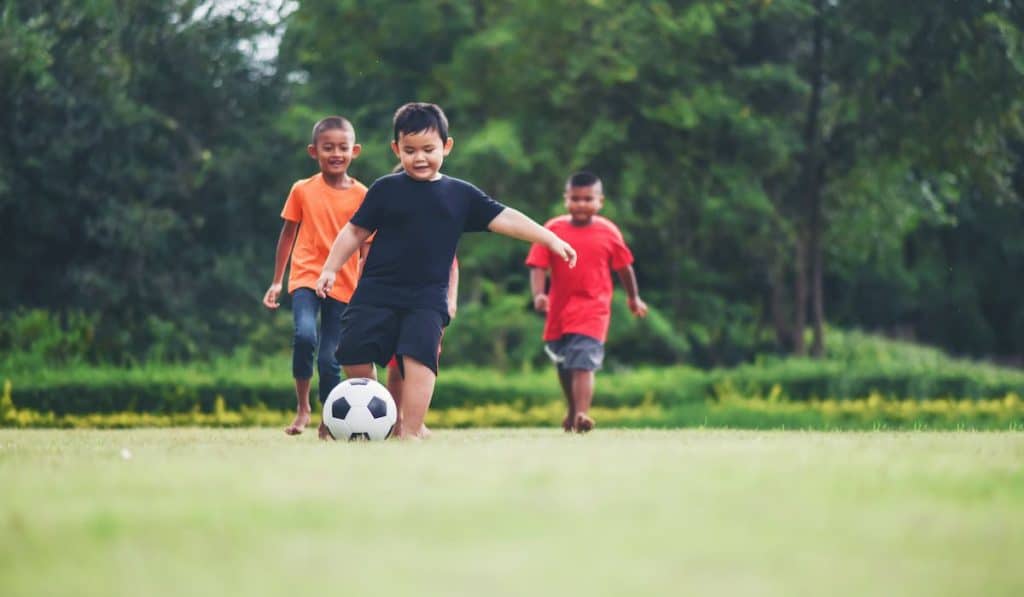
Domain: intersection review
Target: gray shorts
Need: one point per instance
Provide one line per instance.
(576, 351)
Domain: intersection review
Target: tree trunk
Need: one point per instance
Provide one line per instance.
(809, 243)
(815, 187)
(817, 285)
(778, 307)
(799, 296)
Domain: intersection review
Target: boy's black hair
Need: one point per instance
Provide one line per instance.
(583, 179)
(330, 123)
(417, 117)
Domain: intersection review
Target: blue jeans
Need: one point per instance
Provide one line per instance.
(305, 304)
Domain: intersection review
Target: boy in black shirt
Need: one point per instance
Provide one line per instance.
(399, 306)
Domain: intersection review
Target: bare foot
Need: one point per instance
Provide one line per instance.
(299, 424)
(323, 433)
(583, 423)
(567, 424)
(420, 434)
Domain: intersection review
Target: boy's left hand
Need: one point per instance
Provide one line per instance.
(452, 308)
(564, 250)
(638, 307)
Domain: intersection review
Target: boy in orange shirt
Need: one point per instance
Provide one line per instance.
(579, 304)
(316, 209)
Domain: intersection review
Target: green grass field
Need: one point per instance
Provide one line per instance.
(523, 512)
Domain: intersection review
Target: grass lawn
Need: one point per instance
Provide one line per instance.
(518, 512)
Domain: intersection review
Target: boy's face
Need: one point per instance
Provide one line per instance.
(422, 153)
(334, 151)
(583, 202)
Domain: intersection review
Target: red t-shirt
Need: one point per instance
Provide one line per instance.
(580, 299)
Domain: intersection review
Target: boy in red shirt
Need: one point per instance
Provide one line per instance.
(316, 209)
(578, 305)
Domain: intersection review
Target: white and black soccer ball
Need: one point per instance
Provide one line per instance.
(360, 408)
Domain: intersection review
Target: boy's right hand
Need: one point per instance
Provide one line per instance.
(270, 298)
(325, 283)
(540, 303)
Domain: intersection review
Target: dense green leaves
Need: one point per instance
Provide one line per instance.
(753, 153)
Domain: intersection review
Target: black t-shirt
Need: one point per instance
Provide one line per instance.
(418, 225)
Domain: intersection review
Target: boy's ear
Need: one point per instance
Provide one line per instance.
(356, 150)
(311, 151)
(394, 149)
(448, 145)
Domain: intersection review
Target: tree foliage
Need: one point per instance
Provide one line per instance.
(773, 163)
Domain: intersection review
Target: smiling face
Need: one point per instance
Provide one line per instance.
(334, 150)
(583, 202)
(422, 153)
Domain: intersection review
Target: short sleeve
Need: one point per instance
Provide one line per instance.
(539, 256)
(370, 214)
(481, 210)
(621, 255)
(292, 211)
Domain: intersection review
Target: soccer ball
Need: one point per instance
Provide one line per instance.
(360, 408)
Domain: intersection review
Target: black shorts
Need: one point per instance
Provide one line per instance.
(373, 334)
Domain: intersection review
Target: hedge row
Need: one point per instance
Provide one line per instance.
(798, 379)
(185, 389)
(872, 413)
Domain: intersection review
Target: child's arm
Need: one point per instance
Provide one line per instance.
(284, 248)
(512, 222)
(453, 289)
(628, 277)
(364, 250)
(538, 283)
(348, 241)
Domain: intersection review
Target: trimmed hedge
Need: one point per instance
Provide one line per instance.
(872, 413)
(799, 379)
(170, 390)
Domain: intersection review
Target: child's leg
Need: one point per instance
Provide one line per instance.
(417, 389)
(565, 379)
(582, 397)
(366, 370)
(302, 408)
(304, 307)
(578, 356)
(419, 337)
(395, 383)
(326, 358)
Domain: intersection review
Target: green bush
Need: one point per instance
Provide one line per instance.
(179, 389)
(804, 379)
(871, 413)
(30, 338)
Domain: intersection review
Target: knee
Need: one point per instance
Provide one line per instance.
(326, 361)
(305, 339)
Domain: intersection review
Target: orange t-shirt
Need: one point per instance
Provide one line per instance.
(321, 211)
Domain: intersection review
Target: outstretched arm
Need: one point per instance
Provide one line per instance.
(284, 248)
(628, 277)
(348, 241)
(512, 222)
(538, 284)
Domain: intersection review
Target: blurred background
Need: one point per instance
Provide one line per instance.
(787, 172)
